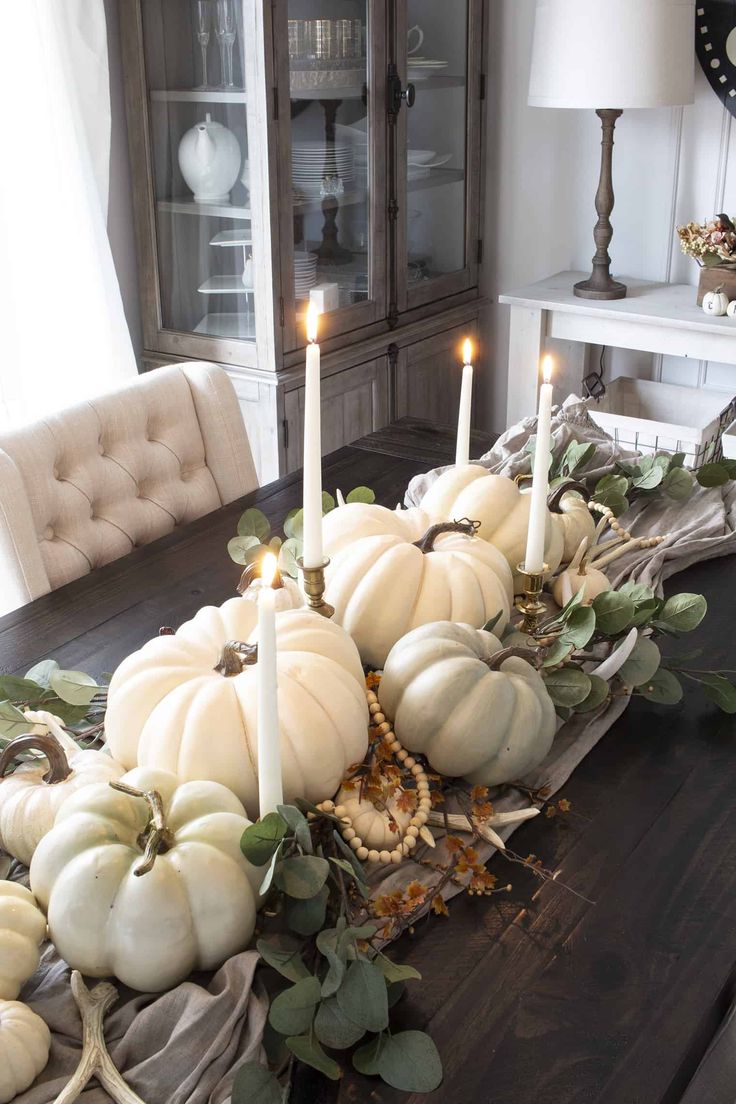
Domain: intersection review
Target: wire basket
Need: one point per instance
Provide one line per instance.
(652, 417)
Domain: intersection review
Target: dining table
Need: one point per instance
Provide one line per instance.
(611, 982)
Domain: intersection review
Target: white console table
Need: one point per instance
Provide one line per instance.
(653, 318)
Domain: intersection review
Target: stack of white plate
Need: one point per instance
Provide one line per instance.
(311, 162)
(305, 273)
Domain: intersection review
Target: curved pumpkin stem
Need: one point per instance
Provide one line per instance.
(554, 499)
(494, 662)
(235, 656)
(49, 746)
(465, 525)
(156, 839)
(253, 572)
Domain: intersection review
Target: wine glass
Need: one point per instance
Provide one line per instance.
(225, 29)
(204, 21)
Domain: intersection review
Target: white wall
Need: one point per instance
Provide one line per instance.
(670, 165)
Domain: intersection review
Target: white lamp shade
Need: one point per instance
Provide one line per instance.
(613, 53)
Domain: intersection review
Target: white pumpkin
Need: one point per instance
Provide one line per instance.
(288, 592)
(25, 1042)
(448, 701)
(187, 703)
(731, 309)
(372, 825)
(31, 795)
(389, 572)
(501, 507)
(572, 580)
(147, 890)
(22, 929)
(715, 302)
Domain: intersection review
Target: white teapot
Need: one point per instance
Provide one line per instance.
(209, 159)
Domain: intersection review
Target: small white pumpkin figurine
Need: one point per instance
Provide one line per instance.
(371, 824)
(25, 1042)
(288, 592)
(22, 929)
(31, 795)
(715, 302)
(731, 309)
(579, 575)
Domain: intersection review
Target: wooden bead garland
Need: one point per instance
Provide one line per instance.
(411, 836)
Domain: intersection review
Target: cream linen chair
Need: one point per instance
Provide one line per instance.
(91, 483)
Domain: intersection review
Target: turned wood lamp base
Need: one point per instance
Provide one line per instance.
(600, 284)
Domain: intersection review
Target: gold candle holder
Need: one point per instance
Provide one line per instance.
(529, 603)
(314, 587)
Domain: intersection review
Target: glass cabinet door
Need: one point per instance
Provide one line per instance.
(333, 183)
(437, 140)
(194, 73)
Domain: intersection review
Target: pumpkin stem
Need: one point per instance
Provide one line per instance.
(252, 572)
(156, 838)
(494, 662)
(49, 746)
(465, 525)
(235, 656)
(554, 500)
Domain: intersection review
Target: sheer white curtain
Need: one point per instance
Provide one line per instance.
(63, 334)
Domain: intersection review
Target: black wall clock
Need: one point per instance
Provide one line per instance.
(715, 43)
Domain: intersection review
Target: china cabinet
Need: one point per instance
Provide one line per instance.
(323, 149)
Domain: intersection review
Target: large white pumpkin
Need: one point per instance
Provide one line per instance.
(447, 700)
(22, 929)
(571, 516)
(471, 491)
(147, 901)
(187, 703)
(31, 795)
(25, 1042)
(384, 578)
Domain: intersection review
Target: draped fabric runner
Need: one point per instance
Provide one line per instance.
(184, 1047)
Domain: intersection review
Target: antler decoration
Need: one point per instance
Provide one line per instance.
(95, 1060)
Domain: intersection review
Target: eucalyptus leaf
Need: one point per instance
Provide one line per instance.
(682, 612)
(328, 503)
(330, 946)
(664, 688)
(600, 692)
(677, 460)
(69, 715)
(42, 672)
(292, 1011)
(351, 857)
(645, 611)
(649, 479)
(294, 524)
(289, 553)
(241, 549)
(678, 484)
(568, 686)
(719, 689)
(302, 876)
(74, 687)
(642, 664)
(615, 502)
(17, 689)
(637, 592)
(298, 824)
(12, 721)
(361, 494)
(409, 1061)
(254, 523)
(362, 995)
(712, 475)
(275, 545)
(306, 917)
(308, 1050)
(367, 1057)
(333, 1028)
(283, 953)
(255, 1084)
(260, 840)
(613, 483)
(579, 627)
(558, 653)
(395, 991)
(662, 461)
(395, 971)
(347, 868)
(613, 611)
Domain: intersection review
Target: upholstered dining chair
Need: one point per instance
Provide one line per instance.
(89, 484)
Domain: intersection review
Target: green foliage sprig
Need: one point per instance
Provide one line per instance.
(72, 696)
(332, 988)
(255, 537)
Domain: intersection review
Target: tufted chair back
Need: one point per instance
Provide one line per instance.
(91, 483)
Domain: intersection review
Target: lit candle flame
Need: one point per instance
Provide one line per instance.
(312, 316)
(467, 351)
(268, 569)
(547, 365)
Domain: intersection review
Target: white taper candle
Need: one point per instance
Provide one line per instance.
(538, 512)
(312, 476)
(462, 448)
(270, 784)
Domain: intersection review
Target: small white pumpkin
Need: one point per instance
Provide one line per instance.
(475, 709)
(572, 580)
(31, 795)
(731, 309)
(501, 507)
(288, 592)
(25, 1042)
(150, 888)
(22, 929)
(187, 703)
(715, 302)
(373, 825)
(393, 570)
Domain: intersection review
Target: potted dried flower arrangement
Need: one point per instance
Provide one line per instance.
(713, 245)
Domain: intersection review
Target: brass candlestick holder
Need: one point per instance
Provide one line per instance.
(529, 603)
(314, 587)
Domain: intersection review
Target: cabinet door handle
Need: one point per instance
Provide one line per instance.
(397, 94)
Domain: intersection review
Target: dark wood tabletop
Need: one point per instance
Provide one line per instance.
(605, 992)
